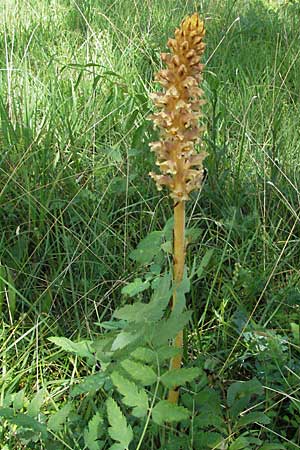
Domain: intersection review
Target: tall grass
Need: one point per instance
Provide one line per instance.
(75, 200)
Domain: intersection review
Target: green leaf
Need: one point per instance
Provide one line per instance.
(167, 329)
(296, 332)
(82, 348)
(144, 354)
(152, 311)
(253, 417)
(133, 396)
(206, 419)
(204, 262)
(164, 411)
(206, 440)
(7, 413)
(123, 339)
(180, 291)
(28, 422)
(93, 433)
(179, 377)
(272, 447)
(239, 443)
(119, 430)
(208, 400)
(58, 419)
(140, 372)
(18, 400)
(239, 395)
(135, 287)
(91, 383)
(147, 248)
(35, 405)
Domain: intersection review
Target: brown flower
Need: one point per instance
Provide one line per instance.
(179, 108)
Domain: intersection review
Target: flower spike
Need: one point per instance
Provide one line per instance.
(179, 110)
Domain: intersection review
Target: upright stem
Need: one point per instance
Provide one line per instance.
(179, 256)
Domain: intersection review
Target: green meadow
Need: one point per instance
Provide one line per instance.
(76, 200)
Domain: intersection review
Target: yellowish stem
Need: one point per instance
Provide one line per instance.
(179, 256)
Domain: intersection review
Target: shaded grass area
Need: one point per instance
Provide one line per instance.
(76, 199)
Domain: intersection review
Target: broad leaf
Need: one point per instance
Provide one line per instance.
(179, 377)
(119, 430)
(253, 417)
(164, 411)
(133, 396)
(140, 372)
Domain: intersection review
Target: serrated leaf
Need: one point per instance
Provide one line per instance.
(167, 352)
(82, 348)
(164, 411)
(140, 372)
(123, 339)
(152, 311)
(179, 377)
(91, 383)
(133, 396)
(93, 433)
(253, 417)
(144, 354)
(119, 430)
(58, 419)
(135, 287)
(167, 329)
(34, 406)
(147, 248)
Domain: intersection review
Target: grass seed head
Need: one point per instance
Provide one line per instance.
(179, 109)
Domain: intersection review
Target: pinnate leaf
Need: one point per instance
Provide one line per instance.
(133, 396)
(119, 430)
(164, 411)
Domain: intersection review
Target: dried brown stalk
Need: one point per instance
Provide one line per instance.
(179, 108)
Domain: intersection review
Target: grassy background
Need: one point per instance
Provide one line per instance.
(76, 199)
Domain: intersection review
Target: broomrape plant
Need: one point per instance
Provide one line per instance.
(180, 109)
(130, 374)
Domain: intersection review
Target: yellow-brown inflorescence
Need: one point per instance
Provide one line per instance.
(180, 109)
